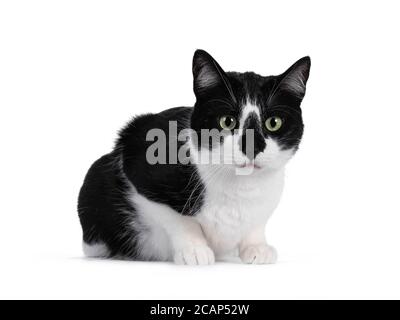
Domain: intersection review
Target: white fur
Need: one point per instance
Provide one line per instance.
(167, 235)
(235, 207)
(247, 109)
(229, 222)
(232, 220)
(258, 254)
(95, 250)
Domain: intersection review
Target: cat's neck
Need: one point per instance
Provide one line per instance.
(225, 182)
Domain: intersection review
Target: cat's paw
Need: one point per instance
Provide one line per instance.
(194, 255)
(259, 254)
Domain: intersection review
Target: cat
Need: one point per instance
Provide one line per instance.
(194, 212)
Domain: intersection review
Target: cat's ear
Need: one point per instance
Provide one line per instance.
(294, 79)
(208, 74)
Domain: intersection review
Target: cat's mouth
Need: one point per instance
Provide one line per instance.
(249, 165)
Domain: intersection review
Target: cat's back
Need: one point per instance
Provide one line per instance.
(138, 127)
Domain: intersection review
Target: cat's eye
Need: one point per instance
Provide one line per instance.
(227, 122)
(273, 124)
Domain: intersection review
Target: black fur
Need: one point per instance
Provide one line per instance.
(104, 210)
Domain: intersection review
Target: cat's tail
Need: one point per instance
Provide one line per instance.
(95, 250)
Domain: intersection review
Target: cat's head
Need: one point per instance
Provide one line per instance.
(259, 116)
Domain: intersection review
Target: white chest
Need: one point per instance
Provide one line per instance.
(231, 211)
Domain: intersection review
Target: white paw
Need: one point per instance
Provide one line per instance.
(194, 255)
(259, 254)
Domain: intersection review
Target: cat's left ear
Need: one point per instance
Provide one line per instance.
(294, 80)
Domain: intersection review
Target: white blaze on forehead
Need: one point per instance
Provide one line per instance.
(247, 109)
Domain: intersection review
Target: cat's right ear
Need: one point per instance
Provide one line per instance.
(208, 74)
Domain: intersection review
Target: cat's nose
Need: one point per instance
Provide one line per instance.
(252, 148)
(252, 141)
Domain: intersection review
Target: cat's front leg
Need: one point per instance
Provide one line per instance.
(254, 249)
(189, 244)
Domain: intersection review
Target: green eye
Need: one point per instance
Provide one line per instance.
(227, 122)
(273, 124)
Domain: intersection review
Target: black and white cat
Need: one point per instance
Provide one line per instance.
(196, 212)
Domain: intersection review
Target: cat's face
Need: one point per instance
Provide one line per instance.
(259, 117)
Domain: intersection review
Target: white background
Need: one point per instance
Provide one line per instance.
(73, 72)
